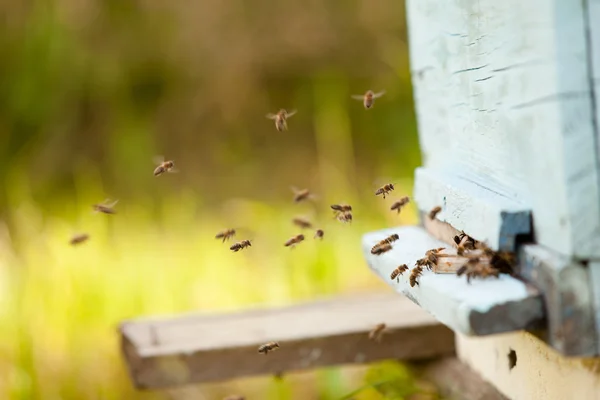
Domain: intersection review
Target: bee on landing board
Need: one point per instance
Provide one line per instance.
(384, 190)
(302, 223)
(225, 235)
(163, 166)
(265, 348)
(368, 98)
(434, 212)
(319, 234)
(398, 205)
(398, 271)
(240, 245)
(79, 238)
(416, 272)
(105, 207)
(281, 119)
(293, 241)
(376, 333)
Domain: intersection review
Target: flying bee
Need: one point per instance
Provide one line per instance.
(390, 239)
(281, 119)
(381, 248)
(376, 333)
(416, 272)
(302, 223)
(319, 234)
(163, 166)
(338, 208)
(226, 234)
(240, 245)
(105, 207)
(265, 348)
(385, 189)
(398, 205)
(344, 217)
(397, 272)
(79, 238)
(293, 241)
(368, 98)
(434, 211)
(301, 194)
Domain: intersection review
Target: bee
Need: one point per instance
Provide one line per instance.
(475, 268)
(293, 241)
(344, 216)
(319, 234)
(240, 245)
(368, 98)
(337, 208)
(432, 256)
(265, 348)
(301, 195)
(226, 234)
(503, 261)
(398, 271)
(416, 272)
(105, 207)
(281, 119)
(390, 239)
(434, 211)
(163, 166)
(376, 333)
(385, 189)
(79, 238)
(302, 223)
(398, 205)
(381, 248)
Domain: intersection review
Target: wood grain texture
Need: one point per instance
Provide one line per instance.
(202, 348)
(482, 307)
(503, 100)
(486, 216)
(567, 289)
(457, 381)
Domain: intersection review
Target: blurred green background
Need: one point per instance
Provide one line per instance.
(91, 91)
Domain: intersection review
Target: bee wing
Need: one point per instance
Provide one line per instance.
(377, 95)
(358, 97)
(173, 171)
(294, 189)
(289, 114)
(110, 205)
(271, 116)
(158, 159)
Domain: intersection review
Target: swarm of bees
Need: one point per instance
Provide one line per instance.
(267, 347)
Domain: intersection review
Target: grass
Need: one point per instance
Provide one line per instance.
(61, 304)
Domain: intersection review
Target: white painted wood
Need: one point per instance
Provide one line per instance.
(481, 307)
(539, 374)
(484, 214)
(503, 99)
(593, 30)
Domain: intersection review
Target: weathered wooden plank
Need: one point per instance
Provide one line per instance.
(201, 348)
(594, 272)
(486, 215)
(455, 380)
(503, 100)
(482, 307)
(565, 285)
(522, 367)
